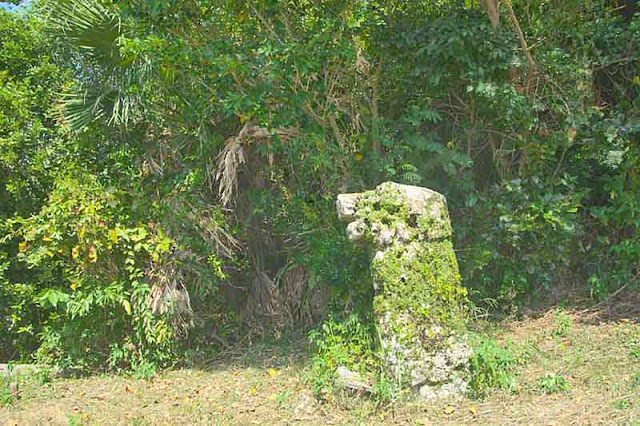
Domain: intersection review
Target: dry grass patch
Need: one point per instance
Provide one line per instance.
(575, 370)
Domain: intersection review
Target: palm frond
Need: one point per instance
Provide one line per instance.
(108, 84)
(230, 159)
(90, 27)
(233, 156)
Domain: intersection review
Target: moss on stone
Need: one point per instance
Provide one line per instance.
(385, 207)
(419, 275)
(419, 303)
(421, 280)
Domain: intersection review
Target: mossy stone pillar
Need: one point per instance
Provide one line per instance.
(419, 304)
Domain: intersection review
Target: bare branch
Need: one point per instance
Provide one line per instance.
(523, 41)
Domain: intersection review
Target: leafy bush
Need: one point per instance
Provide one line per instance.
(350, 343)
(209, 144)
(94, 281)
(562, 323)
(31, 147)
(530, 246)
(346, 343)
(492, 366)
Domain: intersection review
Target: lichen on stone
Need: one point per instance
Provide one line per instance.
(419, 303)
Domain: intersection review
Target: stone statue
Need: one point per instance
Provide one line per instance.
(419, 304)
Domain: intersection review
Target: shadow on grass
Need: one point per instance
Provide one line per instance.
(292, 350)
(621, 306)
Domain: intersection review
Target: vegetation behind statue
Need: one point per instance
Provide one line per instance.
(220, 136)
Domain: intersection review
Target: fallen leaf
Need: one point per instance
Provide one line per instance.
(272, 372)
(449, 409)
(473, 410)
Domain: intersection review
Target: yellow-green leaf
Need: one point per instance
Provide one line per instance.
(127, 306)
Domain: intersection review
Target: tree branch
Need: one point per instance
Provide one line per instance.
(523, 41)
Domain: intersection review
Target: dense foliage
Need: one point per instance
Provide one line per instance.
(168, 170)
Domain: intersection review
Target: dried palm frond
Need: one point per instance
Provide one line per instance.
(264, 302)
(306, 305)
(362, 65)
(229, 160)
(209, 223)
(285, 301)
(292, 287)
(169, 296)
(233, 156)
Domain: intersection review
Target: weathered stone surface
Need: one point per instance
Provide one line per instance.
(351, 380)
(419, 303)
(346, 205)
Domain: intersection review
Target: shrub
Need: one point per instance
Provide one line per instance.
(347, 343)
(492, 366)
(93, 287)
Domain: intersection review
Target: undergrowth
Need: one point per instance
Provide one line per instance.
(11, 378)
(348, 343)
(351, 343)
(493, 366)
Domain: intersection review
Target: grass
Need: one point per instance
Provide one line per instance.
(575, 369)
